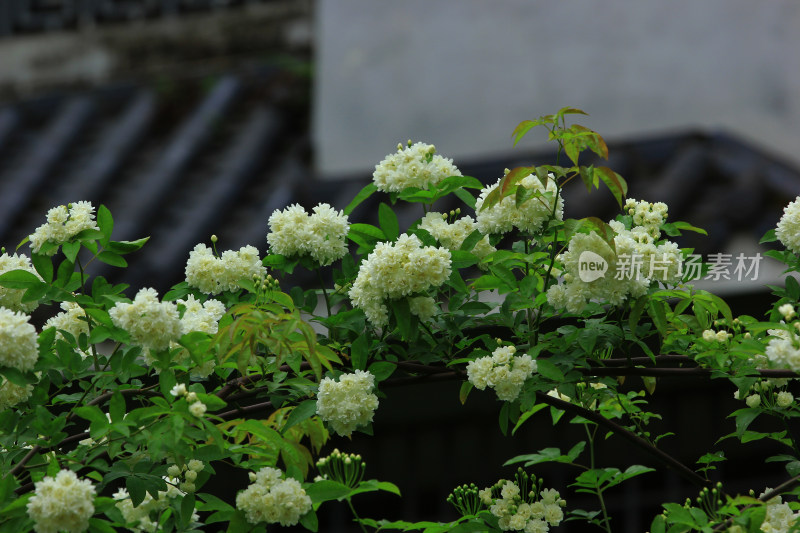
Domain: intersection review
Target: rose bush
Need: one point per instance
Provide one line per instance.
(119, 413)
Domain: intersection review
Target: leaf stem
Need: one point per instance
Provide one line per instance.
(358, 519)
(598, 491)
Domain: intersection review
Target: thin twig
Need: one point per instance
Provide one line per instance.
(663, 457)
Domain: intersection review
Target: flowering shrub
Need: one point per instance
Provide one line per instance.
(125, 414)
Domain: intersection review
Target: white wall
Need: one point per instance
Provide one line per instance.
(462, 73)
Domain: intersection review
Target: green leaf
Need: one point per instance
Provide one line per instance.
(137, 488)
(327, 490)
(359, 352)
(111, 258)
(126, 247)
(116, 407)
(462, 259)
(688, 227)
(744, 417)
(388, 222)
(17, 377)
(465, 197)
(70, 250)
(105, 222)
(549, 370)
(657, 311)
(525, 416)
(362, 195)
(615, 183)
(367, 230)
(406, 323)
(381, 370)
(187, 508)
(548, 455)
(302, 411)
(19, 279)
(472, 239)
(769, 236)
(43, 265)
(463, 393)
(310, 521)
(658, 525)
(792, 288)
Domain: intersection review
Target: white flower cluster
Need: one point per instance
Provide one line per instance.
(783, 350)
(12, 298)
(649, 216)
(397, 270)
(348, 403)
(71, 319)
(212, 275)
(63, 503)
(516, 513)
(273, 500)
(528, 217)
(766, 389)
(189, 473)
(144, 517)
(12, 394)
(202, 317)
(452, 236)
(18, 348)
(415, 165)
(788, 230)
(780, 517)
(710, 335)
(63, 223)
(503, 371)
(322, 235)
(150, 323)
(637, 262)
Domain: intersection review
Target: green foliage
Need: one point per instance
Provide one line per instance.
(245, 393)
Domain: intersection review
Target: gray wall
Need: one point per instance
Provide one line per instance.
(462, 73)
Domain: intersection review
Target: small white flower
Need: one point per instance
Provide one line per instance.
(754, 400)
(198, 409)
(723, 336)
(709, 335)
(178, 390)
(787, 310)
(784, 399)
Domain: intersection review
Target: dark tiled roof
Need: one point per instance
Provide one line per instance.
(176, 163)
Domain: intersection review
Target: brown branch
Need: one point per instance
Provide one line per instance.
(624, 361)
(236, 384)
(663, 457)
(244, 410)
(672, 371)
